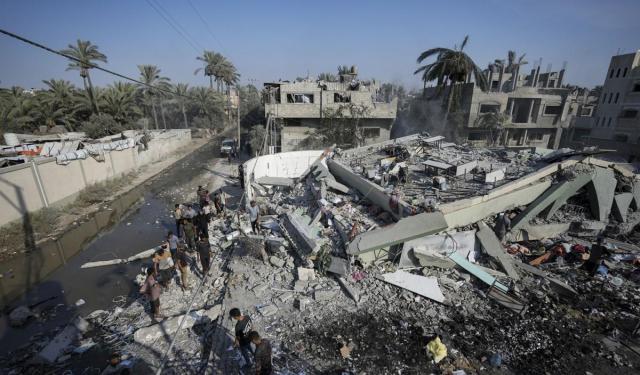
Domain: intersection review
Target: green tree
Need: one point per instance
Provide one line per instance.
(513, 67)
(340, 126)
(256, 139)
(16, 109)
(213, 62)
(493, 122)
(87, 54)
(101, 125)
(182, 91)
(327, 77)
(150, 75)
(62, 95)
(119, 101)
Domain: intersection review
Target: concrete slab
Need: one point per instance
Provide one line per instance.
(552, 198)
(425, 286)
(492, 245)
(275, 181)
(464, 243)
(339, 266)
(531, 232)
(404, 230)
(56, 347)
(303, 236)
(636, 193)
(477, 272)
(620, 208)
(601, 191)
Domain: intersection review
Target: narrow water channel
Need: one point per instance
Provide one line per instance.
(137, 221)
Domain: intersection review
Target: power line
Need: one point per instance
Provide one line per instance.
(90, 64)
(206, 25)
(157, 8)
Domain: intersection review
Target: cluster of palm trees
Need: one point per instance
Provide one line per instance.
(155, 98)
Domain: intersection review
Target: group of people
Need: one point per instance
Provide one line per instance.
(245, 336)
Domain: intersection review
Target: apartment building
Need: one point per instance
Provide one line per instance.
(615, 124)
(536, 106)
(297, 108)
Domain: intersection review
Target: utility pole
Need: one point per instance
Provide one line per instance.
(238, 113)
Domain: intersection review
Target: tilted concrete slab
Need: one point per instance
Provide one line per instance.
(554, 197)
(275, 181)
(620, 208)
(424, 286)
(570, 189)
(636, 194)
(468, 211)
(491, 244)
(303, 237)
(404, 230)
(366, 188)
(601, 191)
(477, 272)
(531, 232)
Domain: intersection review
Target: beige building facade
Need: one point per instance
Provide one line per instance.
(298, 109)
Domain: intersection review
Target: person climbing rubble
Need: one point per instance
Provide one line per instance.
(151, 288)
(254, 215)
(263, 354)
(244, 325)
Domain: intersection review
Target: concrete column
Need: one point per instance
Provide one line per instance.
(530, 110)
(524, 137)
(38, 179)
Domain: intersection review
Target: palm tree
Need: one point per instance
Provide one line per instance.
(87, 54)
(494, 123)
(513, 67)
(451, 68)
(327, 77)
(46, 112)
(150, 76)
(182, 91)
(61, 94)
(15, 111)
(228, 74)
(212, 61)
(119, 101)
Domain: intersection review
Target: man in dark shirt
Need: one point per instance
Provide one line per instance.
(204, 253)
(262, 354)
(243, 327)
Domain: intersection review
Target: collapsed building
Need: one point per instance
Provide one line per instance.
(295, 110)
(364, 255)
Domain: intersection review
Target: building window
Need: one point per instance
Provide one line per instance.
(625, 72)
(629, 113)
(636, 87)
(536, 136)
(621, 138)
(610, 97)
(609, 123)
(552, 110)
(552, 83)
(586, 111)
(495, 85)
(488, 108)
(598, 121)
(476, 136)
(341, 98)
(618, 73)
(617, 96)
(604, 97)
(371, 132)
(611, 74)
(300, 98)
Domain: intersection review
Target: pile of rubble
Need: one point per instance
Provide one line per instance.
(412, 256)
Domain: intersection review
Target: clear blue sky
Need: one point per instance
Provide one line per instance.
(268, 40)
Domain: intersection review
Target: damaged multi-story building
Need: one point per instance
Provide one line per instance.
(297, 109)
(615, 124)
(536, 106)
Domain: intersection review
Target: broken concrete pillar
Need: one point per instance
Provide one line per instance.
(477, 272)
(366, 188)
(601, 191)
(303, 237)
(620, 208)
(404, 230)
(491, 244)
(425, 286)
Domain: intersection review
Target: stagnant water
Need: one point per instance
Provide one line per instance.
(136, 221)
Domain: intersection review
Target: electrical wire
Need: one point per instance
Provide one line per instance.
(206, 25)
(157, 8)
(89, 64)
(178, 26)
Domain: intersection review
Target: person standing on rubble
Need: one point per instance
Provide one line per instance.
(182, 262)
(152, 289)
(189, 233)
(163, 262)
(218, 201)
(172, 242)
(241, 176)
(595, 256)
(244, 325)
(262, 354)
(503, 225)
(177, 214)
(254, 216)
(204, 253)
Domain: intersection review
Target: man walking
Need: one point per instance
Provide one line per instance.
(244, 325)
(152, 289)
(254, 216)
(204, 253)
(183, 266)
(177, 214)
(262, 354)
(241, 176)
(189, 231)
(218, 201)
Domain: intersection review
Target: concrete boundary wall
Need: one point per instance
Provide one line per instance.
(42, 182)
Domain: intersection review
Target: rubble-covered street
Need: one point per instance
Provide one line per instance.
(363, 257)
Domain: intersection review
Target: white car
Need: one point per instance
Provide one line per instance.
(227, 146)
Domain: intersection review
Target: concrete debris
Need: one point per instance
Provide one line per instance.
(491, 244)
(339, 266)
(19, 316)
(424, 286)
(306, 274)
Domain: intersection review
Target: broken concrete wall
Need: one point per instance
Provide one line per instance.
(620, 208)
(601, 191)
(366, 188)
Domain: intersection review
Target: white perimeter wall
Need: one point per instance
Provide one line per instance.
(31, 186)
